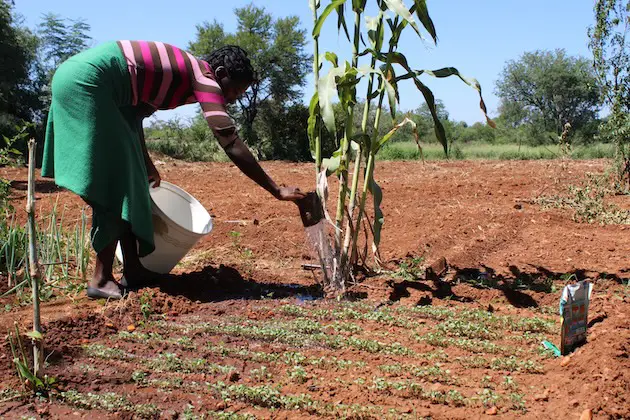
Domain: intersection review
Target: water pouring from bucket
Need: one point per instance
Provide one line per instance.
(314, 222)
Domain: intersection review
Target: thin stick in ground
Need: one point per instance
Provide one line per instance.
(33, 263)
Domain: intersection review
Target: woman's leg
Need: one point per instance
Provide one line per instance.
(103, 282)
(135, 275)
(106, 230)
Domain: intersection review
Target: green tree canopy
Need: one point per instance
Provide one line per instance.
(276, 48)
(547, 89)
(611, 52)
(18, 98)
(60, 38)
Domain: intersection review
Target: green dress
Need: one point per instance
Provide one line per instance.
(93, 145)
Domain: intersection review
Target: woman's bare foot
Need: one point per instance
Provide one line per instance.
(105, 288)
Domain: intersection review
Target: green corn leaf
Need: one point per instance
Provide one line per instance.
(376, 31)
(371, 22)
(366, 52)
(380, 36)
(327, 11)
(379, 218)
(362, 39)
(331, 164)
(27, 374)
(35, 335)
(332, 57)
(395, 57)
(327, 90)
(341, 20)
(348, 96)
(391, 78)
(346, 86)
(409, 75)
(385, 85)
(393, 131)
(452, 71)
(430, 100)
(399, 8)
(398, 58)
(362, 139)
(313, 4)
(392, 25)
(423, 16)
(392, 95)
(358, 6)
(313, 119)
(398, 30)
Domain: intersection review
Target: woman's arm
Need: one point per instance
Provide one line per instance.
(210, 97)
(245, 161)
(152, 172)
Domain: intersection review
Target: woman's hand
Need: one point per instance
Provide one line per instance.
(289, 194)
(154, 175)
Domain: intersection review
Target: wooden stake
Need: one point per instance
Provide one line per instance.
(33, 263)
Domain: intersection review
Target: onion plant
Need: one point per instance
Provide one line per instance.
(375, 57)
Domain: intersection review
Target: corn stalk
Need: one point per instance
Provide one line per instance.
(375, 34)
(340, 83)
(316, 135)
(36, 334)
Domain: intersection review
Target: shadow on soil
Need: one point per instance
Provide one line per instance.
(212, 284)
(540, 279)
(440, 289)
(45, 186)
(514, 286)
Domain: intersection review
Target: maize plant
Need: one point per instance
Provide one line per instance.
(375, 58)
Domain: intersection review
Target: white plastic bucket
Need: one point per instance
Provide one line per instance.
(179, 221)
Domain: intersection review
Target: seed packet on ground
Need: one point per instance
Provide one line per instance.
(574, 312)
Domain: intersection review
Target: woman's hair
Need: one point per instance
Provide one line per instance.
(235, 61)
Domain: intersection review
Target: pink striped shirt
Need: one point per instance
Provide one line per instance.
(166, 77)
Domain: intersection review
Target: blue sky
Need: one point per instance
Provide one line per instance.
(477, 37)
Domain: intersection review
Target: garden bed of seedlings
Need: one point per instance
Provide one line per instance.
(240, 330)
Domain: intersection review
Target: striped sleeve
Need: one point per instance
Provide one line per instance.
(209, 95)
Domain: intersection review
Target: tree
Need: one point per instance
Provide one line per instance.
(276, 48)
(424, 112)
(423, 120)
(60, 39)
(546, 89)
(610, 51)
(18, 98)
(282, 131)
(611, 56)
